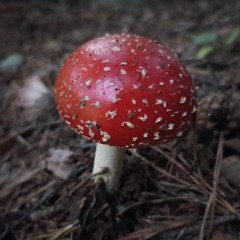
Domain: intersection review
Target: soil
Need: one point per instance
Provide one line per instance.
(186, 189)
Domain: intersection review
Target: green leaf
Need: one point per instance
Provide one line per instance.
(232, 36)
(204, 51)
(205, 38)
(12, 62)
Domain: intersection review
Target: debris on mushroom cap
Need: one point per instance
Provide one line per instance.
(125, 90)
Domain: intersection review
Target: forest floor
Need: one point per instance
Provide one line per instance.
(183, 190)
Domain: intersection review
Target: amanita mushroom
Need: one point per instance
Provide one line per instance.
(123, 91)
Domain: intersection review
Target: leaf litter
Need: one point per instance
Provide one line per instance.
(187, 189)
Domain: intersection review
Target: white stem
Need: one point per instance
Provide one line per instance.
(111, 158)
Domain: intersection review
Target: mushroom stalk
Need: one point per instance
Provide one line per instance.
(111, 158)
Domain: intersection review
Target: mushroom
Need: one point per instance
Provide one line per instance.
(124, 91)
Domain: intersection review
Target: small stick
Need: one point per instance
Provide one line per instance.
(196, 228)
(29, 128)
(44, 200)
(156, 201)
(212, 199)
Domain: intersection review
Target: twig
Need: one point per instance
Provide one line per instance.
(176, 185)
(156, 201)
(24, 178)
(209, 204)
(153, 230)
(216, 174)
(100, 211)
(182, 167)
(42, 201)
(83, 224)
(207, 189)
(154, 166)
(104, 231)
(182, 232)
(221, 220)
(46, 198)
(82, 183)
(29, 128)
(66, 229)
(172, 160)
(212, 199)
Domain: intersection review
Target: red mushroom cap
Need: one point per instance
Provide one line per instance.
(125, 90)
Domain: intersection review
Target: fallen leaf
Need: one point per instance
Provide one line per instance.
(204, 51)
(31, 91)
(233, 36)
(11, 62)
(29, 101)
(16, 180)
(59, 155)
(230, 170)
(217, 235)
(205, 38)
(58, 162)
(46, 212)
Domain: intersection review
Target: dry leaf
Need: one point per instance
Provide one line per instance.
(45, 212)
(16, 180)
(217, 235)
(32, 90)
(58, 162)
(28, 101)
(206, 106)
(230, 170)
